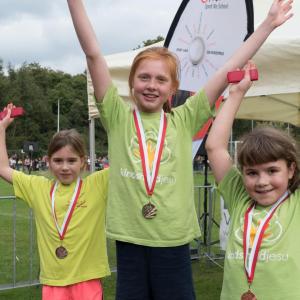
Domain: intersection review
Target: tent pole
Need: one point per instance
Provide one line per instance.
(58, 114)
(92, 144)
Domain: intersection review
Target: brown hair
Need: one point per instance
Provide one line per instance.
(157, 53)
(69, 137)
(264, 145)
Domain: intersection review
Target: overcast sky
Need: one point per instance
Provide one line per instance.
(41, 31)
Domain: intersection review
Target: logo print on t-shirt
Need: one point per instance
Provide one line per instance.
(151, 139)
(272, 233)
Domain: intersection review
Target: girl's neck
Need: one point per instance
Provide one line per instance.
(66, 185)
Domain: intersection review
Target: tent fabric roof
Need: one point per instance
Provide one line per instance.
(281, 108)
(276, 95)
(278, 63)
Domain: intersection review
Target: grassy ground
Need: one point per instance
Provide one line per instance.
(207, 275)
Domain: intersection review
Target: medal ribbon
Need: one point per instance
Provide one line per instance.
(150, 176)
(250, 256)
(63, 229)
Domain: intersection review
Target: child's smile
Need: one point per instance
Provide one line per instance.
(66, 165)
(152, 85)
(265, 183)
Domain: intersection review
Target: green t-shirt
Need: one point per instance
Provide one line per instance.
(176, 221)
(278, 266)
(85, 238)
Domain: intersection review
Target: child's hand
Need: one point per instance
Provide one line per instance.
(7, 120)
(243, 86)
(280, 12)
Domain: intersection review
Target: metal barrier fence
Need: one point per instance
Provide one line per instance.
(18, 253)
(19, 262)
(208, 218)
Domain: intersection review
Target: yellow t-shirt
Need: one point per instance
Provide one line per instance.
(85, 238)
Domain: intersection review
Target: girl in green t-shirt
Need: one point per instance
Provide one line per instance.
(263, 201)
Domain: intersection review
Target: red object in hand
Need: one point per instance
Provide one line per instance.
(15, 112)
(237, 76)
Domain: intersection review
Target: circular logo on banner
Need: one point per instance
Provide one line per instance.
(204, 34)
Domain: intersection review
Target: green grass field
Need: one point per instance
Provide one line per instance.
(207, 275)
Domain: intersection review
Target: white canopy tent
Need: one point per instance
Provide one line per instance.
(275, 96)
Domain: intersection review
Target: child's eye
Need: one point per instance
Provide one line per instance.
(57, 160)
(272, 171)
(251, 173)
(143, 77)
(162, 79)
(72, 161)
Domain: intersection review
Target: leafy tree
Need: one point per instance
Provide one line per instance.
(38, 90)
(149, 42)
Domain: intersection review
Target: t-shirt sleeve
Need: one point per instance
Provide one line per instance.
(100, 182)
(232, 188)
(25, 185)
(110, 108)
(195, 111)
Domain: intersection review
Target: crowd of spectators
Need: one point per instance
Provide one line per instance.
(100, 163)
(28, 164)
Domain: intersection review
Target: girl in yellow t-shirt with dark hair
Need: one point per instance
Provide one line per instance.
(69, 214)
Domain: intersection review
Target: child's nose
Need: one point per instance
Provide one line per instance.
(65, 165)
(152, 84)
(262, 180)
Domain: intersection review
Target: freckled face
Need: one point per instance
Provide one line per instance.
(66, 165)
(266, 183)
(152, 85)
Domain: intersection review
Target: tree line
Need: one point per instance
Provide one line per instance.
(38, 90)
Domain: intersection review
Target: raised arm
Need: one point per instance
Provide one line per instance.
(278, 14)
(217, 142)
(5, 170)
(96, 63)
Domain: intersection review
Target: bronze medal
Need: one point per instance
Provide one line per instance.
(150, 172)
(149, 211)
(61, 252)
(251, 253)
(248, 296)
